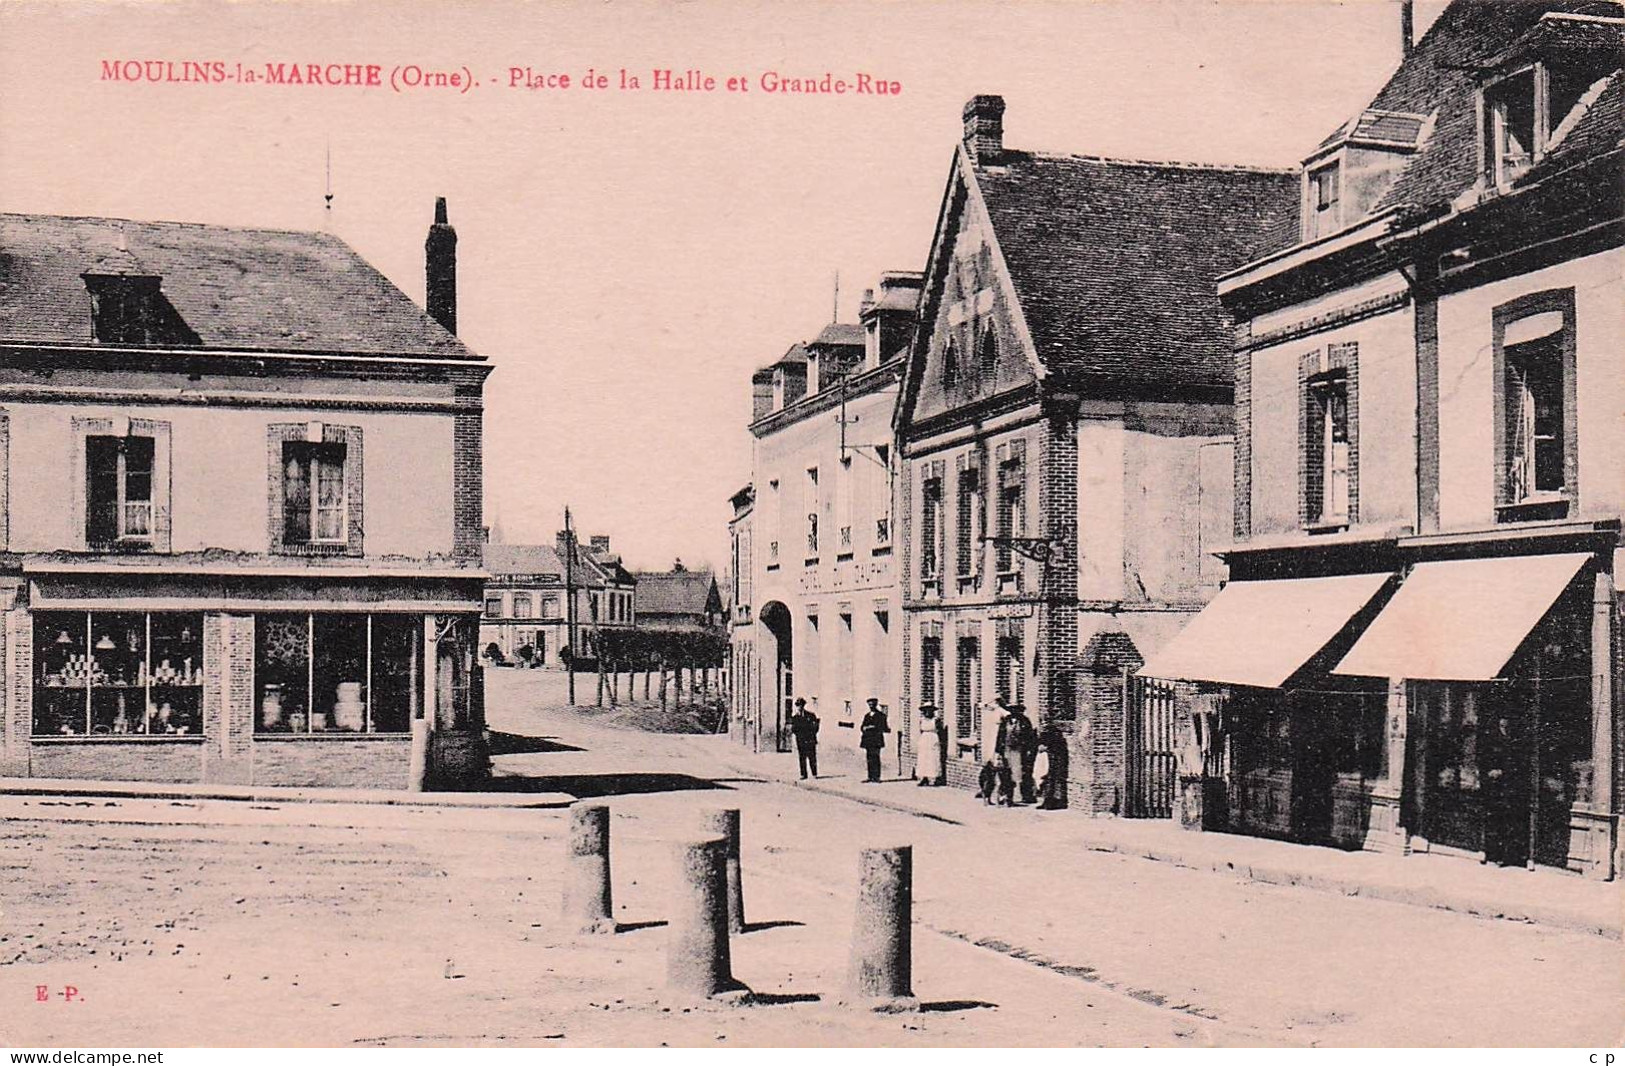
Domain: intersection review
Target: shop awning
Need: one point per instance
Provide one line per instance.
(1261, 632)
(1461, 620)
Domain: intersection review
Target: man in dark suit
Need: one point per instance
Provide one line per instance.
(804, 727)
(872, 737)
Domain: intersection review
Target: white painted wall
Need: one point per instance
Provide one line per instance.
(1466, 373)
(1387, 410)
(219, 476)
(1101, 444)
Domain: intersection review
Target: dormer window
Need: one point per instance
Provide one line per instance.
(1528, 111)
(123, 308)
(1325, 212)
(1513, 134)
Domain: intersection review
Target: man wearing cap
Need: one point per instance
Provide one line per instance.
(804, 727)
(872, 737)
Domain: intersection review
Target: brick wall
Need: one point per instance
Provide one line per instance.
(380, 762)
(228, 698)
(468, 476)
(1244, 430)
(148, 760)
(1427, 412)
(19, 693)
(1058, 502)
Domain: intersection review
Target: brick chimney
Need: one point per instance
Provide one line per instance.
(600, 543)
(1407, 35)
(984, 129)
(440, 266)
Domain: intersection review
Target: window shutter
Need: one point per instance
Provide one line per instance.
(162, 436)
(355, 496)
(276, 435)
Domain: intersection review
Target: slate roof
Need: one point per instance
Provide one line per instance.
(839, 333)
(234, 288)
(895, 298)
(1443, 73)
(675, 592)
(512, 560)
(531, 560)
(1114, 261)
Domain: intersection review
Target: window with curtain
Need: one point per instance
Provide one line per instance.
(313, 493)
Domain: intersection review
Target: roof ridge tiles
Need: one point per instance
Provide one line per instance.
(179, 224)
(1171, 164)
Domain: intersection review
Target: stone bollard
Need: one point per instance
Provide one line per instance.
(697, 962)
(881, 973)
(587, 905)
(417, 775)
(724, 822)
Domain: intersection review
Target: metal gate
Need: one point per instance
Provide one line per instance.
(1151, 776)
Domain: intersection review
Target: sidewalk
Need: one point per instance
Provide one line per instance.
(1544, 897)
(75, 787)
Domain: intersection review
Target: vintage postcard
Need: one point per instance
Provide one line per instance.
(871, 524)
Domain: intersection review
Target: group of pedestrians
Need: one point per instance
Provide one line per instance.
(1019, 765)
(871, 738)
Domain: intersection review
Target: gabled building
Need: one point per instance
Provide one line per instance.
(1419, 648)
(240, 509)
(818, 602)
(679, 598)
(1064, 428)
(527, 600)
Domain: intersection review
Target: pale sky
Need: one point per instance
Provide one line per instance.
(626, 259)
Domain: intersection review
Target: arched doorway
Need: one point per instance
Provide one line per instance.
(778, 649)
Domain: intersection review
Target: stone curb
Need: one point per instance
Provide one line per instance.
(61, 788)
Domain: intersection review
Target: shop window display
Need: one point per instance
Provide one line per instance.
(334, 673)
(118, 673)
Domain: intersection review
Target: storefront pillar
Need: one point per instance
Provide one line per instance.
(16, 698)
(1594, 830)
(429, 688)
(228, 698)
(1413, 804)
(1386, 830)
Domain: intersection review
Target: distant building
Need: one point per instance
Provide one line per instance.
(816, 613)
(679, 598)
(526, 604)
(240, 495)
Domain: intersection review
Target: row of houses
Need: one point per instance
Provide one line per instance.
(1291, 499)
(529, 617)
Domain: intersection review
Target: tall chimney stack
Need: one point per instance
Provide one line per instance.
(984, 129)
(1407, 36)
(440, 265)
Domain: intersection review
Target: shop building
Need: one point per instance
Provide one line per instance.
(527, 600)
(240, 495)
(1419, 649)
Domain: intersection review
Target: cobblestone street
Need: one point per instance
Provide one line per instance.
(234, 923)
